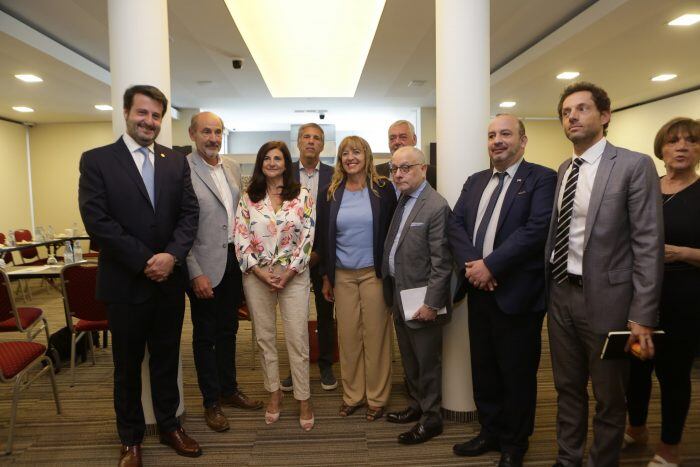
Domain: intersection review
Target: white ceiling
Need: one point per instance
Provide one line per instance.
(619, 44)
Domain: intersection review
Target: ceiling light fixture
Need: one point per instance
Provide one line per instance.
(299, 47)
(664, 77)
(685, 20)
(568, 75)
(507, 104)
(104, 107)
(23, 109)
(29, 78)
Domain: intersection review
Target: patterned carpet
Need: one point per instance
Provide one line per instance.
(85, 433)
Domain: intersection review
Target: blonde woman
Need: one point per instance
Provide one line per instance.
(354, 215)
(273, 239)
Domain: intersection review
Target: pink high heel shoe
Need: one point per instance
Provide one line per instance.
(271, 417)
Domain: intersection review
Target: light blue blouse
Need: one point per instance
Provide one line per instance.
(354, 246)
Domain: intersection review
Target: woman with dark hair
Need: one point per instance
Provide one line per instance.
(273, 238)
(354, 215)
(678, 144)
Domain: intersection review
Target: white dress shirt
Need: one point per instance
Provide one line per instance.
(134, 149)
(219, 177)
(490, 235)
(584, 186)
(310, 181)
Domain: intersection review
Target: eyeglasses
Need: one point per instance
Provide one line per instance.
(403, 168)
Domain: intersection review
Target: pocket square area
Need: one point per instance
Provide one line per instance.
(417, 224)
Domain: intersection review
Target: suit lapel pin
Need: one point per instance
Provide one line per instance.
(518, 180)
(162, 155)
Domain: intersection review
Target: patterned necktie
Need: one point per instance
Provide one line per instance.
(398, 214)
(148, 175)
(481, 232)
(561, 241)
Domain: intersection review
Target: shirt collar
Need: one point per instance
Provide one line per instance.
(592, 154)
(303, 169)
(218, 164)
(510, 170)
(133, 146)
(416, 193)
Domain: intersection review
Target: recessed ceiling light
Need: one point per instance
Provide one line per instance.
(29, 78)
(507, 104)
(664, 77)
(685, 20)
(299, 48)
(21, 108)
(103, 107)
(568, 75)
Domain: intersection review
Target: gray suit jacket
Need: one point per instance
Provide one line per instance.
(423, 256)
(208, 254)
(623, 241)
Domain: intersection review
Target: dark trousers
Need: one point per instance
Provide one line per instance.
(505, 356)
(421, 355)
(214, 328)
(673, 362)
(324, 326)
(157, 324)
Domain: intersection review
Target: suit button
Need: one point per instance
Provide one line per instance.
(223, 227)
(223, 246)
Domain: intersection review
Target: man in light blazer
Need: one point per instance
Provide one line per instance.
(497, 233)
(604, 265)
(215, 278)
(136, 200)
(315, 175)
(417, 254)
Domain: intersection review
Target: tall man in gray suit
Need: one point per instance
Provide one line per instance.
(604, 265)
(417, 254)
(215, 291)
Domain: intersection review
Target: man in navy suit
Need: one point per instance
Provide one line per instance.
(137, 202)
(315, 175)
(497, 234)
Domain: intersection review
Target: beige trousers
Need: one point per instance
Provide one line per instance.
(293, 301)
(364, 336)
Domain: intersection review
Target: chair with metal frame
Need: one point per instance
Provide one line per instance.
(17, 358)
(29, 320)
(29, 256)
(79, 282)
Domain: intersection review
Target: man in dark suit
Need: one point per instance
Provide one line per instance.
(136, 200)
(215, 292)
(315, 175)
(604, 264)
(417, 255)
(497, 234)
(402, 133)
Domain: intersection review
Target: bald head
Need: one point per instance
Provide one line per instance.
(206, 131)
(409, 169)
(506, 141)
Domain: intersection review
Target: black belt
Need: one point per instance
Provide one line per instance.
(575, 279)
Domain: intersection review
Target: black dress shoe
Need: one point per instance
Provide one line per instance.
(419, 434)
(509, 459)
(405, 416)
(476, 447)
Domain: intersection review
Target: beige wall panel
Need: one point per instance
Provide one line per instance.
(14, 184)
(546, 144)
(56, 150)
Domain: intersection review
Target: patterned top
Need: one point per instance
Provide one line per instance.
(264, 237)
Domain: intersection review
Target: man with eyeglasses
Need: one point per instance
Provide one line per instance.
(417, 260)
(497, 233)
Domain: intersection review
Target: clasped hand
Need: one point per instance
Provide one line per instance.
(275, 281)
(479, 275)
(159, 267)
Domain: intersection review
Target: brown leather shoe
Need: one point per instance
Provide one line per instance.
(215, 418)
(240, 400)
(181, 443)
(130, 456)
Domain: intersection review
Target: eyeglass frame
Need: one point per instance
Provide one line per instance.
(403, 168)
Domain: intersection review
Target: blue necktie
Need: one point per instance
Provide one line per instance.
(148, 175)
(481, 232)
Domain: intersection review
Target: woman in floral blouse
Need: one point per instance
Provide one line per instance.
(273, 237)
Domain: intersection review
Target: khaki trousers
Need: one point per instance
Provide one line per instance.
(364, 336)
(293, 301)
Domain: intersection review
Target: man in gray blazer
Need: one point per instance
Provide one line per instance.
(417, 254)
(604, 265)
(215, 292)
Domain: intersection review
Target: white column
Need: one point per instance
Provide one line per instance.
(462, 102)
(139, 53)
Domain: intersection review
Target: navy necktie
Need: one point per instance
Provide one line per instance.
(481, 232)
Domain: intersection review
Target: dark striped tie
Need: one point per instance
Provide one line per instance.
(486, 219)
(561, 241)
